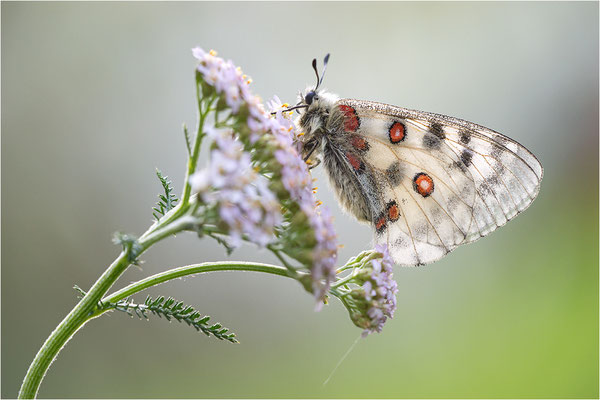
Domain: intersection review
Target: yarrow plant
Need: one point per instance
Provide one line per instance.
(369, 290)
(253, 188)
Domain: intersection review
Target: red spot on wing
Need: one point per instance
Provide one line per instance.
(397, 132)
(392, 211)
(354, 161)
(351, 121)
(359, 143)
(423, 184)
(380, 224)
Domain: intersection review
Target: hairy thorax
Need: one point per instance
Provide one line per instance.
(323, 125)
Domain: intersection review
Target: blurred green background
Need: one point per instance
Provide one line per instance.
(93, 98)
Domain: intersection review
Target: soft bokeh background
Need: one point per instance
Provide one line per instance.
(93, 98)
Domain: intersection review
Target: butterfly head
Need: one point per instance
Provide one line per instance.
(311, 99)
(317, 104)
(312, 95)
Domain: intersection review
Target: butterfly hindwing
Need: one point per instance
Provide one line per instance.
(430, 182)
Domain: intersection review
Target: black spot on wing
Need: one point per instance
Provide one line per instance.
(497, 151)
(434, 137)
(464, 137)
(394, 174)
(437, 130)
(485, 189)
(431, 141)
(492, 181)
(466, 157)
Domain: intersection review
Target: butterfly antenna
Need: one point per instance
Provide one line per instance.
(297, 106)
(325, 62)
(314, 65)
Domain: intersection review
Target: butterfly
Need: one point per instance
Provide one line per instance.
(426, 182)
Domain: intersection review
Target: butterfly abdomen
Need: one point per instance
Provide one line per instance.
(351, 177)
(346, 185)
(323, 123)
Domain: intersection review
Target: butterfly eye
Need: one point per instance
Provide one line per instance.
(310, 96)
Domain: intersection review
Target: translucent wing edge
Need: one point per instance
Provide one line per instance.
(403, 113)
(499, 139)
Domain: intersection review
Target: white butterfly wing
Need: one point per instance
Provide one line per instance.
(452, 181)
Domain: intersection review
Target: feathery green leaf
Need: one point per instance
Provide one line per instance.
(170, 309)
(166, 201)
(188, 141)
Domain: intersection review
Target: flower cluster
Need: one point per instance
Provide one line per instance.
(224, 77)
(369, 292)
(306, 232)
(297, 181)
(241, 195)
(324, 252)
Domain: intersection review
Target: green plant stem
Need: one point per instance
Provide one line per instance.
(343, 281)
(193, 159)
(341, 296)
(67, 328)
(83, 311)
(194, 269)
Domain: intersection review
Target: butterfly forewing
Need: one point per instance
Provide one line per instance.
(440, 181)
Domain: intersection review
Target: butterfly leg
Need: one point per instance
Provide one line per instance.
(309, 148)
(312, 164)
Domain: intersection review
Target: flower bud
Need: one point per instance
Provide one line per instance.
(369, 292)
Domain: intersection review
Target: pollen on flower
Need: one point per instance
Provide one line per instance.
(300, 134)
(315, 189)
(318, 203)
(251, 159)
(212, 53)
(241, 196)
